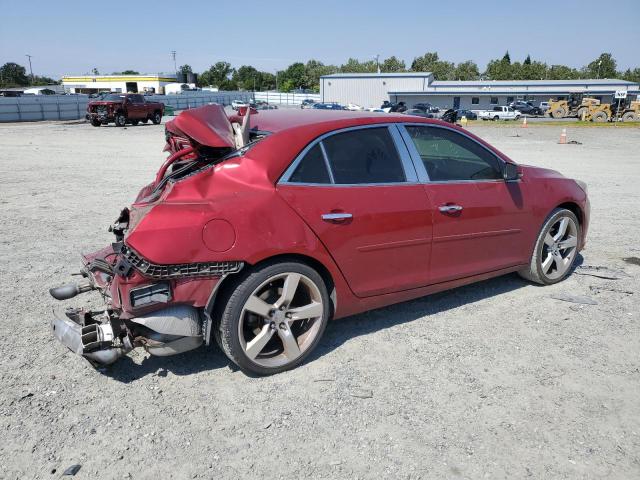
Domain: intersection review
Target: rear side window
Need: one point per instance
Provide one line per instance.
(450, 156)
(312, 168)
(365, 155)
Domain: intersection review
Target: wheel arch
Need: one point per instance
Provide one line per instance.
(574, 208)
(228, 282)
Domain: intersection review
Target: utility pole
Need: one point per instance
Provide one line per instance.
(175, 67)
(30, 69)
(599, 63)
(378, 63)
(277, 80)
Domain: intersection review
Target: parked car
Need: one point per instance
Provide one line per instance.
(353, 107)
(123, 108)
(466, 113)
(388, 107)
(419, 113)
(307, 103)
(255, 246)
(328, 106)
(526, 108)
(236, 104)
(499, 113)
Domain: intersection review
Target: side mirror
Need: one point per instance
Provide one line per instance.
(510, 172)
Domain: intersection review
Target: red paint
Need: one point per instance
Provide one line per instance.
(398, 246)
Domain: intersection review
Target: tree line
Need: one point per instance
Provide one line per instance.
(307, 75)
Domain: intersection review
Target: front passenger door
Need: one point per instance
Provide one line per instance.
(481, 223)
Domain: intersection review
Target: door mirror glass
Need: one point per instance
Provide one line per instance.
(510, 172)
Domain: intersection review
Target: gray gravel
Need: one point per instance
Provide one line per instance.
(494, 380)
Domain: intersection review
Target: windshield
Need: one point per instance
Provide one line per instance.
(113, 98)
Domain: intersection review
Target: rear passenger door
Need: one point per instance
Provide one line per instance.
(357, 190)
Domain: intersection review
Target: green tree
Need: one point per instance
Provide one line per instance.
(466, 71)
(602, 67)
(127, 72)
(218, 75)
(393, 64)
(13, 75)
(430, 62)
(246, 77)
(294, 76)
(500, 69)
(631, 75)
(37, 80)
(507, 58)
(527, 61)
(353, 65)
(562, 72)
(184, 69)
(95, 71)
(313, 70)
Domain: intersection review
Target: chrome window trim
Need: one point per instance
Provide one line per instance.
(405, 160)
(419, 165)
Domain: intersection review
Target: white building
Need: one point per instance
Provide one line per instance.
(117, 83)
(369, 89)
(411, 88)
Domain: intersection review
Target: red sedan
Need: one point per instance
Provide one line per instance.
(262, 226)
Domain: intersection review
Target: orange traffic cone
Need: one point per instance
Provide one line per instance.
(524, 123)
(563, 136)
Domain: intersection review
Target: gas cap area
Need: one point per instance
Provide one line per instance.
(218, 235)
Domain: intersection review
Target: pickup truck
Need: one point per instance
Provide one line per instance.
(123, 108)
(500, 113)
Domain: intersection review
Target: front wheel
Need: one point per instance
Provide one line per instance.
(496, 118)
(121, 119)
(273, 318)
(556, 249)
(135, 122)
(96, 123)
(157, 118)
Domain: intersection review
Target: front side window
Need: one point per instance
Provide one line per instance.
(312, 168)
(450, 156)
(366, 155)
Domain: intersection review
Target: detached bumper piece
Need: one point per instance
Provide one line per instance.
(92, 335)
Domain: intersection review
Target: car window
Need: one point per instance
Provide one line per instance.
(312, 168)
(450, 156)
(365, 155)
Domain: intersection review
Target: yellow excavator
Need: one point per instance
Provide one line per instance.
(573, 107)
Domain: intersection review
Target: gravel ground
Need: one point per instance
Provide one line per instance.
(493, 380)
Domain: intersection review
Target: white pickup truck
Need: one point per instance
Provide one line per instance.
(499, 113)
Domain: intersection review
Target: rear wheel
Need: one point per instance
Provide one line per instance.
(96, 123)
(496, 118)
(273, 318)
(121, 119)
(582, 111)
(144, 120)
(556, 249)
(600, 117)
(157, 118)
(630, 117)
(559, 113)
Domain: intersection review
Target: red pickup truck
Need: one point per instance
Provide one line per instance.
(123, 108)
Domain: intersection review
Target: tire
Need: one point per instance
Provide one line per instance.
(517, 117)
(600, 117)
(145, 120)
(135, 122)
(559, 113)
(157, 118)
(550, 262)
(239, 328)
(630, 117)
(581, 110)
(496, 118)
(121, 119)
(96, 123)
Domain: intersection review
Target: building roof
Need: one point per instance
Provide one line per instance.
(379, 75)
(529, 83)
(163, 77)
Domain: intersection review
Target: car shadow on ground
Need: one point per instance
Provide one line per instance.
(126, 370)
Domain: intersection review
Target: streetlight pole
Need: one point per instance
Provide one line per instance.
(30, 69)
(378, 63)
(599, 63)
(175, 67)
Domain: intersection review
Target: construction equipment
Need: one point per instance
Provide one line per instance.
(626, 111)
(573, 107)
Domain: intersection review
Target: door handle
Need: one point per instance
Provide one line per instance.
(336, 217)
(450, 208)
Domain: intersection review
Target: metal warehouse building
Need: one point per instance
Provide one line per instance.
(117, 83)
(370, 90)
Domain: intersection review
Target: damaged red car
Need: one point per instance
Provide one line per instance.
(262, 226)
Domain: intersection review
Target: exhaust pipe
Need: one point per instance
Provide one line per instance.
(70, 290)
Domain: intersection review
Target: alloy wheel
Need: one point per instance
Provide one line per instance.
(559, 248)
(280, 319)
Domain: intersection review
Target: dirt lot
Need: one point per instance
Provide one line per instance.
(494, 380)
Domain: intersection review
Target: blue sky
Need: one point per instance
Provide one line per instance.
(72, 37)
